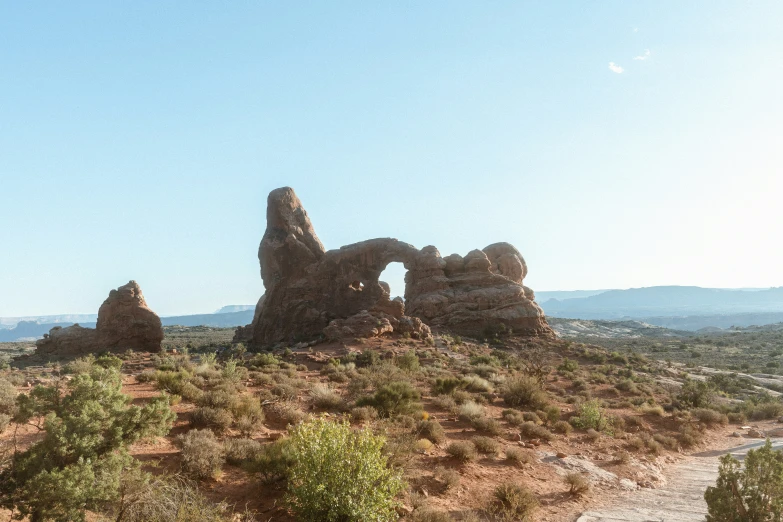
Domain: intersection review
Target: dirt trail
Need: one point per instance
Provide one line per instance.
(681, 500)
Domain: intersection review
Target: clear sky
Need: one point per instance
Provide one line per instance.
(617, 144)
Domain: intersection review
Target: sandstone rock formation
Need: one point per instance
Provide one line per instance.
(479, 295)
(310, 291)
(124, 322)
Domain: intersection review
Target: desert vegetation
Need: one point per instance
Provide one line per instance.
(206, 425)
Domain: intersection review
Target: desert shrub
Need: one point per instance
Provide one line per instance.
(364, 413)
(486, 445)
(238, 451)
(325, 397)
(202, 453)
(695, 394)
(171, 381)
(765, 410)
(589, 414)
(286, 412)
(486, 425)
(428, 514)
(340, 475)
(577, 483)
(532, 430)
(393, 399)
(563, 427)
(519, 456)
(474, 383)
(513, 417)
(568, 366)
(8, 395)
(212, 418)
(146, 376)
(190, 392)
(449, 477)
(408, 361)
(174, 499)
(514, 503)
(736, 417)
(689, 436)
(470, 410)
(627, 385)
(218, 399)
(272, 461)
(446, 402)
(80, 365)
(285, 391)
(431, 430)
(462, 450)
(80, 461)
(246, 406)
(446, 385)
(752, 494)
(652, 409)
(667, 442)
(524, 391)
(709, 417)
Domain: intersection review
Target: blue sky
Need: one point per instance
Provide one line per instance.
(138, 140)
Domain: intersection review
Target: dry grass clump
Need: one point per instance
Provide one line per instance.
(709, 417)
(524, 391)
(464, 450)
(364, 413)
(519, 456)
(563, 427)
(238, 451)
(514, 503)
(470, 410)
(534, 431)
(449, 477)
(474, 383)
(486, 445)
(577, 483)
(432, 430)
(326, 398)
(202, 453)
(286, 412)
(486, 425)
(215, 419)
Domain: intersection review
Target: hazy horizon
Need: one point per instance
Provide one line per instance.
(616, 145)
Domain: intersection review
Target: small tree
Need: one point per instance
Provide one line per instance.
(752, 494)
(338, 475)
(80, 462)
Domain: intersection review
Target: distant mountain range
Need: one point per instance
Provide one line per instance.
(678, 307)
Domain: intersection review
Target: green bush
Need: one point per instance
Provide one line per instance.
(82, 458)
(339, 475)
(590, 415)
(393, 399)
(752, 494)
(446, 385)
(695, 394)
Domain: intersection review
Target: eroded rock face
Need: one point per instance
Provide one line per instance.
(125, 322)
(310, 291)
(478, 295)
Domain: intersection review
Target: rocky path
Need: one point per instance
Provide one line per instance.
(681, 500)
